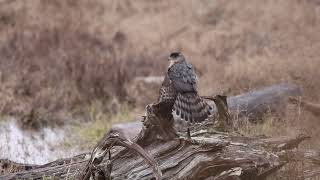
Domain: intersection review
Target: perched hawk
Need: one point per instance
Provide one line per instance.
(179, 91)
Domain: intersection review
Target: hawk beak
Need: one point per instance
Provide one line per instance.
(171, 63)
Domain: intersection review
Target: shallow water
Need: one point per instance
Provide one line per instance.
(28, 146)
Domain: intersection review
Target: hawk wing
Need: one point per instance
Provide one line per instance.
(167, 92)
(183, 78)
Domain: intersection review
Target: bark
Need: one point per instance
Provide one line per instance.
(254, 104)
(215, 156)
(159, 152)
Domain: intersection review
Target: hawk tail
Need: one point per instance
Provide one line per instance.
(191, 107)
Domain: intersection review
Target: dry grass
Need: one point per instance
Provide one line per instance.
(55, 65)
(60, 57)
(82, 136)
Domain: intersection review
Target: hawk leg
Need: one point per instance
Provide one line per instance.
(188, 133)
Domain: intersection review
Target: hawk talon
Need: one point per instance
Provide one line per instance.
(188, 133)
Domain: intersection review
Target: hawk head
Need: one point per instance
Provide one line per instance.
(176, 57)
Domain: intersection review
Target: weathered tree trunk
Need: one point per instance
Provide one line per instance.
(248, 106)
(254, 104)
(215, 155)
(159, 152)
(308, 106)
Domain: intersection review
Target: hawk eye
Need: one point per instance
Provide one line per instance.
(174, 54)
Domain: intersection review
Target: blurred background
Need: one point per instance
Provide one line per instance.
(80, 66)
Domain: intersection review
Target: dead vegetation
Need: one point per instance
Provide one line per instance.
(57, 56)
(52, 72)
(60, 58)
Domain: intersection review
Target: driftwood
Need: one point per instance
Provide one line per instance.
(158, 151)
(308, 106)
(250, 106)
(253, 105)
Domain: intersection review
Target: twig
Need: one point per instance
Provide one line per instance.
(115, 137)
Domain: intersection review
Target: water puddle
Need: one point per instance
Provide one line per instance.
(28, 146)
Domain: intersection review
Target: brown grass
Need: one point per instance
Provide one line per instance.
(62, 55)
(54, 63)
(59, 58)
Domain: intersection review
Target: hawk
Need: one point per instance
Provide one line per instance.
(179, 91)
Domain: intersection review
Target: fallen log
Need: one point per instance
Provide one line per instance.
(250, 106)
(216, 155)
(158, 151)
(255, 104)
(308, 106)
